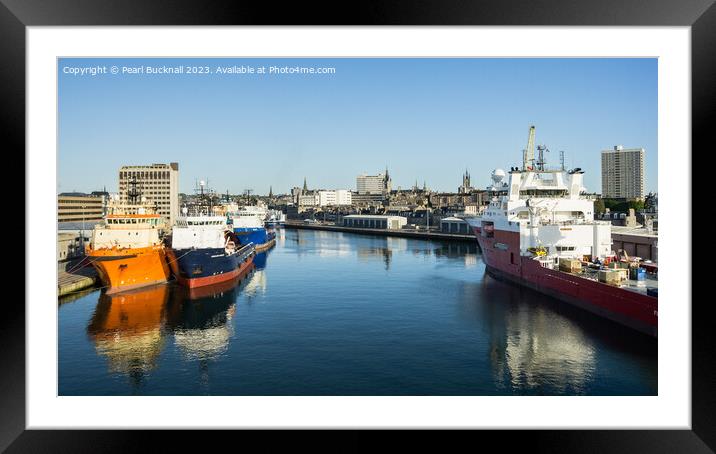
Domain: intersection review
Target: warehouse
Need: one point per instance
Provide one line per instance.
(374, 221)
(454, 225)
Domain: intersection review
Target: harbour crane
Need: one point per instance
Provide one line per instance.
(528, 155)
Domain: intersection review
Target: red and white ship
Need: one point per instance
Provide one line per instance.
(539, 231)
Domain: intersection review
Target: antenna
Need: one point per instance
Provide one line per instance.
(540, 156)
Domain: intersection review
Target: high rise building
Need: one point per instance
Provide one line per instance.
(158, 184)
(623, 173)
(374, 184)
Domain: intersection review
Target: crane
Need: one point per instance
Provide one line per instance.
(528, 156)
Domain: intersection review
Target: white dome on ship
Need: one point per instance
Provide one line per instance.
(498, 175)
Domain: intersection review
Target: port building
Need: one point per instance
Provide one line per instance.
(369, 221)
(623, 173)
(158, 185)
(454, 225)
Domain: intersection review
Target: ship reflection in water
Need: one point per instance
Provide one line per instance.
(331, 313)
(132, 328)
(536, 348)
(127, 329)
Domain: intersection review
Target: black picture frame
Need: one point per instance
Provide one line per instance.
(16, 15)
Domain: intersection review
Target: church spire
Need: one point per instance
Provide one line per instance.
(305, 186)
(270, 192)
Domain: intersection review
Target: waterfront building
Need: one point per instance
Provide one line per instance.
(336, 197)
(623, 173)
(158, 184)
(80, 207)
(374, 221)
(454, 225)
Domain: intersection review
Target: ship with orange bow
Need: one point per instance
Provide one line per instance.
(126, 249)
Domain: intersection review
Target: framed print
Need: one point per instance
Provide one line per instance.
(434, 217)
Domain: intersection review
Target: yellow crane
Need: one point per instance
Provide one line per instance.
(528, 155)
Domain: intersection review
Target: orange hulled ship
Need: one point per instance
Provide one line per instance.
(126, 249)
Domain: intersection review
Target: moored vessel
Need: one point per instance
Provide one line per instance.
(126, 248)
(275, 218)
(539, 231)
(248, 225)
(204, 251)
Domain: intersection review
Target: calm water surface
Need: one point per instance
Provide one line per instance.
(327, 313)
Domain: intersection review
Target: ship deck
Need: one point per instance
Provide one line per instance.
(650, 282)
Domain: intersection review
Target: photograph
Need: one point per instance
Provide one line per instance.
(428, 218)
(357, 226)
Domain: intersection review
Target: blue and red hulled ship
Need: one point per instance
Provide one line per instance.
(204, 251)
(248, 226)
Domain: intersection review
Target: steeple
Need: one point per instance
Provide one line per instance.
(425, 186)
(270, 192)
(305, 186)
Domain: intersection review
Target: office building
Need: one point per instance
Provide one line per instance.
(158, 184)
(623, 173)
(374, 184)
(79, 207)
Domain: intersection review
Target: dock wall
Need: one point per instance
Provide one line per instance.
(385, 232)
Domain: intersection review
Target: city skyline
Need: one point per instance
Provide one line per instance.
(425, 119)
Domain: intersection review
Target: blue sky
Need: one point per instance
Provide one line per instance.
(426, 119)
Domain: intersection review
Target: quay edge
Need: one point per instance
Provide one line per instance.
(385, 232)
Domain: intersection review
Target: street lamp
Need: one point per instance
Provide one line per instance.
(82, 232)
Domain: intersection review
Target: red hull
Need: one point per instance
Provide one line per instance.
(212, 280)
(635, 310)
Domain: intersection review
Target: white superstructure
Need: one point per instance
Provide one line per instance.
(127, 226)
(199, 232)
(548, 211)
(249, 216)
(245, 219)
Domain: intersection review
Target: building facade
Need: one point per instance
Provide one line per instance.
(157, 183)
(454, 225)
(79, 207)
(374, 184)
(374, 221)
(337, 197)
(623, 173)
(308, 200)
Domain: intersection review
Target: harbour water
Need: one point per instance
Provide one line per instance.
(331, 313)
